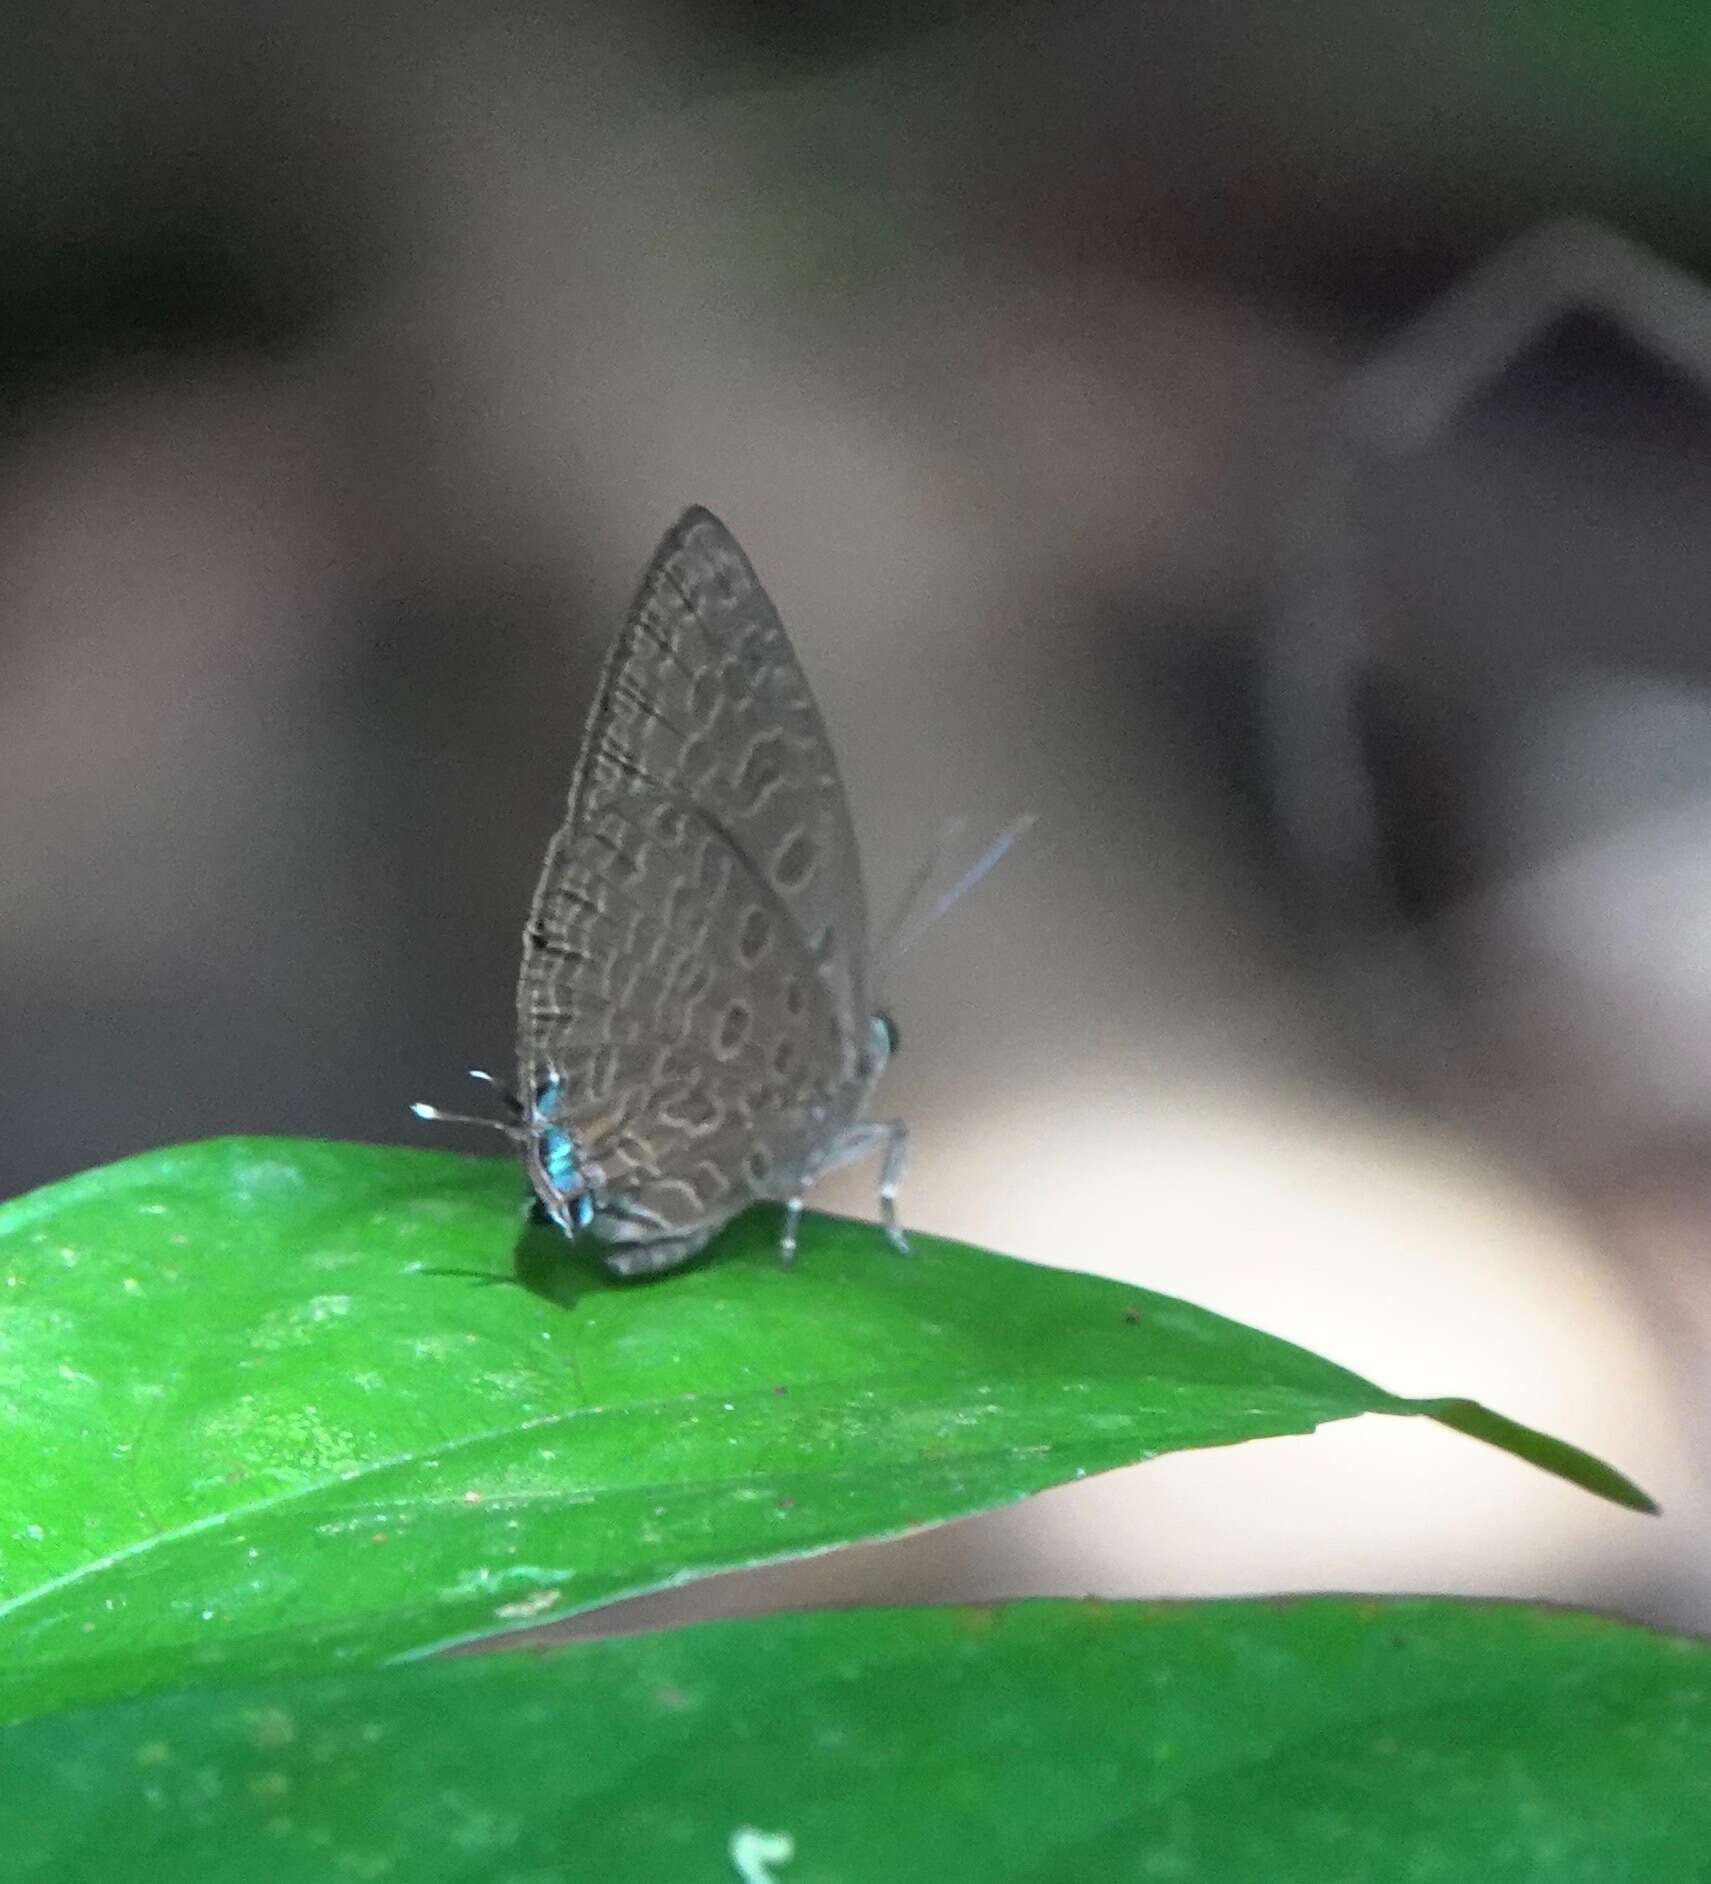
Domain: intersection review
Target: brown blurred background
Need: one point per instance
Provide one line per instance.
(1357, 978)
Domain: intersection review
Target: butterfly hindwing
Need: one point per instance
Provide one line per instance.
(677, 1012)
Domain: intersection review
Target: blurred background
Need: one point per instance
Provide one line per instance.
(1081, 379)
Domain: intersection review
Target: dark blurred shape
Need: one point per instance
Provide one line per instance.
(191, 189)
(186, 259)
(1480, 553)
(815, 35)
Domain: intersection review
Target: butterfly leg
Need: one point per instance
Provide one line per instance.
(858, 1142)
(890, 1177)
(787, 1239)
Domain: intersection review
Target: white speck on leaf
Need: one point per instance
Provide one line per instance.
(526, 1606)
(754, 1853)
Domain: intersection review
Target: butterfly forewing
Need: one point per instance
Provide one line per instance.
(693, 973)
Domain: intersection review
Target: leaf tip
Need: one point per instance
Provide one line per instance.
(1549, 1454)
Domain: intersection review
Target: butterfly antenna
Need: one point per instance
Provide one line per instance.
(437, 1116)
(510, 1127)
(913, 923)
(507, 1097)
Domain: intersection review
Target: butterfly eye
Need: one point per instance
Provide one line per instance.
(892, 1033)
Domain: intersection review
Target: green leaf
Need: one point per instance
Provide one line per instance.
(1228, 1743)
(272, 1405)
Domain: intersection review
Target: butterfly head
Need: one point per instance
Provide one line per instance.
(555, 1166)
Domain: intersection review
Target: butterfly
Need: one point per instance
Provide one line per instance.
(695, 1030)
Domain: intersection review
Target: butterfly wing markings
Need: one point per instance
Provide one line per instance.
(694, 965)
(694, 1046)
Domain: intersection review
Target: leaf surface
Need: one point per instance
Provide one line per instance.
(1311, 1742)
(276, 1405)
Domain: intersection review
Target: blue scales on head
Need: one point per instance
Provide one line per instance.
(565, 1196)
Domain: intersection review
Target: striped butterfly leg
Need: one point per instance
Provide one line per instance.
(858, 1141)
